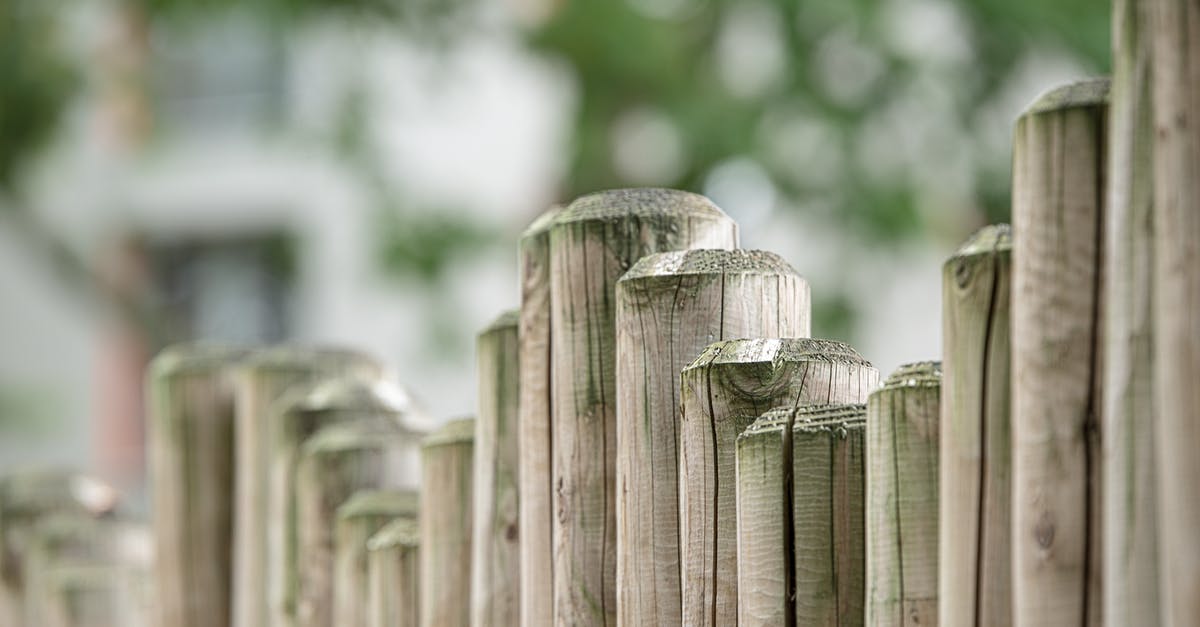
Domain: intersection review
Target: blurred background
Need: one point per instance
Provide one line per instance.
(357, 172)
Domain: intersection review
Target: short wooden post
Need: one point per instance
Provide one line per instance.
(365, 513)
(190, 405)
(336, 462)
(975, 476)
(495, 566)
(669, 307)
(801, 501)
(393, 573)
(295, 416)
(592, 243)
(100, 595)
(1175, 33)
(445, 519)
(27, 497)
(1058, 180)
(534, 427)
(902, 497)
(1130, 525)
(260, 380)
(722, 392)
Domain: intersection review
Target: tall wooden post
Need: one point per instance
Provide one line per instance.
(495, 566)
(393, 573)
(260, 380)
(800, 517)
(534, 427)
(1175, 32)
(295, 416)
(975, 476)
(190, 401)
(592, 243)
(721, 394)
(902, 497)
(336, 462)
(669, 307)
(1129, 463)
(365, 513)
(445, 519)
(1058, 209)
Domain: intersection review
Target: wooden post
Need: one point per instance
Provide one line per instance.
(100, 595)
(336, 462)
(1175, 33)
(295, 416)
(445, 524)
(357, 520)
(902, 497)
(722, 392)
(260, 380)
(190, 404)
(975, 475)
(393, 573)
(1058, 180)
(27, 497)
(495, 566)
(669, 307)
(536, 544)
(1130, 504)
(592, 243)
(800, 517)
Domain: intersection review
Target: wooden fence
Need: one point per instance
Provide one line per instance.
(660, 441)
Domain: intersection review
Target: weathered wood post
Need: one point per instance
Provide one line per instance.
(365, 513)
(1058, 180)
(534, 427)
(336, 462)
(393, 573)
(295, 416)
(670, 306)
(975, 475)
(99, 595)
(721, 394)
(902, 497)
(1130, 524)
(495, 566)
(1175, 33)
(27, 497)
(801, 501)
(189, 392)
(592, 243)
(260, 380)
(445, 519)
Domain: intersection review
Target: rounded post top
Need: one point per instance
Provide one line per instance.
(640, 202)
(1086, 93)
(379, 503)
(457, 431)
(541, 224)
(506, 320)
(708, 261)
(991, 238)
(916, 374)
(299, 358)
(402, 532)
(34, 491)
(807, 418)
(339, 438)
(348, 393)
(777, 350)
(195, 357)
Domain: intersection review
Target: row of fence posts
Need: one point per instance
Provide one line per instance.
(659, 441)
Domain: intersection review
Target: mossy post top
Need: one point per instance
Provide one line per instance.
(645, 202)
(541, 224)
(1092, 92)
(505, 321)
(298, 358)
(457, 431)
(987, 240)
(193, 358)
(33, 491)
(709, 261)
(916, 374)
(379, 503)
(807, 418)
(776, 351)
(399, 533)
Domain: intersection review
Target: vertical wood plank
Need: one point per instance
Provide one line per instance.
(763, 454)
(902, 497)
(1058, 205)
(445, 519)
(393, 567)
(365, 513)
(592, 243)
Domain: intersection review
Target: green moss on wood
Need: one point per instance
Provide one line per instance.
(638, 202)
(379, 503)
(709, 261)
(458, 431)
(1087, 93)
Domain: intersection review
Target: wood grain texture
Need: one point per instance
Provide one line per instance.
(189, 391)
(295, 416)
(670, 306)
(259, 382)
(975, 477)
(722, 392)
(592, 243)
(534, 427)
(762, 465)
(1129, 466)
(902, 497)
(495, 564)
(335, 463)
(445, 518)
(26, 497)
(1175, 33)
(365, 513)
(393, 573)
(1058, 209)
